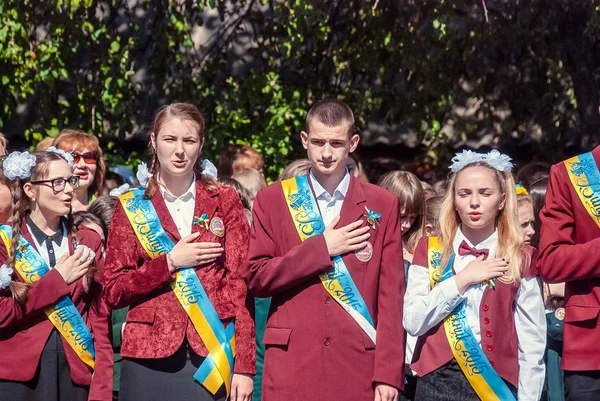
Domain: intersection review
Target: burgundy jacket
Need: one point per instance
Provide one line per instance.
(314, 349)
(496, 316)
(27, 328)
(569, 252)
(157, 325)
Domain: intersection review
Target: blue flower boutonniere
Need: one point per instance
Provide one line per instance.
(202, 220)
(373, 218)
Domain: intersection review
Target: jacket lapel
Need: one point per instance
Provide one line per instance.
(165, 217)
(353, 207)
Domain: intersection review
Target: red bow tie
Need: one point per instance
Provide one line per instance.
(465, 249)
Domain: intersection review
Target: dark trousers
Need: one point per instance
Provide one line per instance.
(582, 385)
(409, 388)
(52, 380)
(448, 383)
(162, 379)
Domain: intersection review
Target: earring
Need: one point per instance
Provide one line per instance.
(33, 199)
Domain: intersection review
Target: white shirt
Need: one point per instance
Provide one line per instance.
(58, 250)
(330, 206)
(181, 208)
(424, 308)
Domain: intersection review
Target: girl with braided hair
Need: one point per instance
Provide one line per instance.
(49, 302)
(175, 254)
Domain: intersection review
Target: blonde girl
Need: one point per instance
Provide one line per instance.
(474, 287)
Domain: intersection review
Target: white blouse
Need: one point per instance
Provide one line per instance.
(424, 308)
(181, 208)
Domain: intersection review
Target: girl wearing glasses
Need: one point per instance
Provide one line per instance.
(49, 304)
(183, 232)
(89, 164)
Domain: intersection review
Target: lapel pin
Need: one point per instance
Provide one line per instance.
(489, 283)
(373, 218)
(217, 227)
(201, 221)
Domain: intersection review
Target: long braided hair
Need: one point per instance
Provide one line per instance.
(17, 289)
(184, 112)
(21, 206)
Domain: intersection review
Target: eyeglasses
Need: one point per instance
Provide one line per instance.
(88, 157)
(59, 184)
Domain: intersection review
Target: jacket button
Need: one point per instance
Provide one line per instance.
(485, 307)
(492, 363)
(486, 320)
(490, 347)
(488, 333)
(326, 341)
(327, 301)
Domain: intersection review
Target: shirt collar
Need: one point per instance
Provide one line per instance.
(489, 243)
(340, 192)
(41, 237)
(189, 194)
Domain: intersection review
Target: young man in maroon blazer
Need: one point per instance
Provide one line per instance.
(569, 252)
(315, 349)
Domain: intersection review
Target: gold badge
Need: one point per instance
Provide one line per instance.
(217, 227)
(506, 279)
(560, 313)
(365, 254)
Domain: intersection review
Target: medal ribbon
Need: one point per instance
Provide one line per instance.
(585, 178)
(63, 315)
(337, 281)
(465, 347)
(217, 367)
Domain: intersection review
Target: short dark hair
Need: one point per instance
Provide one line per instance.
(83, 216)
(332, 113)
(103, 207)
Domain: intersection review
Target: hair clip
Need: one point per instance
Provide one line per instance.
(143, 174)
(521, 190)
(209, 169)
(5, 276)
(18, 165)
(65, 155)
(495, 159)
(123, 189)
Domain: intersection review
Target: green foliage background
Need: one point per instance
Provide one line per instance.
(451, 71)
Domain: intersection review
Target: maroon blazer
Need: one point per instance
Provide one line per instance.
(496, 316)
(314, 349)
(30, 325)
(569, 252)
(157, 325)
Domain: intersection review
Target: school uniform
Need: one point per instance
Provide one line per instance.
(314, 349)
(569, 243)
(161, 349)
(37, 363)
(508, 322)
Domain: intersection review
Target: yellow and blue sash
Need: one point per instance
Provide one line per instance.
(337, 281)
(465, 347)
(217, 368)
(585, 178)
(63, 315)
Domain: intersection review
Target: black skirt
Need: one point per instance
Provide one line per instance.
(162, 379)
(52, 380)
(448, 383)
